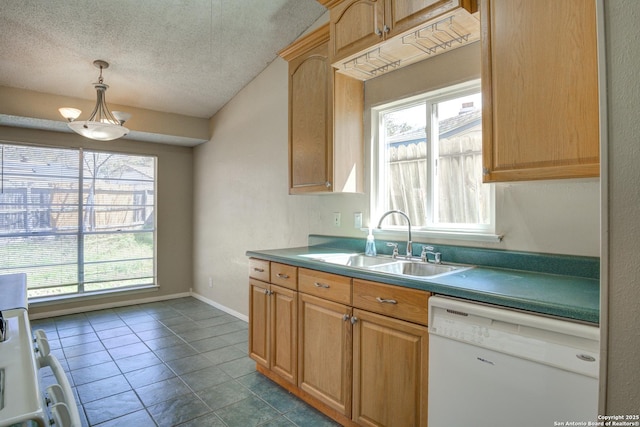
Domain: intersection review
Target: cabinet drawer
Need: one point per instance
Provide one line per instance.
(395, 301)
(259, 269)
(325, 285)
(284, 275)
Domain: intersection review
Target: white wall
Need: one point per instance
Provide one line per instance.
(622, 316)
(242, 202)
(240, 189)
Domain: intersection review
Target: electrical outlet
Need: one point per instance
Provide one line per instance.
(336, 219)
(210, 282)
(357, 220)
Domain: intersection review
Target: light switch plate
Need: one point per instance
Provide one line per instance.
(357, 220)
(336, 219)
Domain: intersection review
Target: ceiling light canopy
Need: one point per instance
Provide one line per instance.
(102, 124)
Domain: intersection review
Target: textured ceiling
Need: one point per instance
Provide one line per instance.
(178, 56)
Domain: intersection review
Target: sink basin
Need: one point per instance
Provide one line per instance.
(355, 260)
(419, 269)
(386, 264)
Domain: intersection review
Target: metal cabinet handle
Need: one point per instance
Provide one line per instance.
(386, 28)
(321, 285)
(386, 301)
(354, 319)
(378, 32)
(282, 275)
(345, 317)
(259, 270)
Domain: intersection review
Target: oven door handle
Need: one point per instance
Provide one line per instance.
(61, 378)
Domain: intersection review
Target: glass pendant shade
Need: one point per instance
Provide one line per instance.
(99, 131)
(101, 125)
(70, 113)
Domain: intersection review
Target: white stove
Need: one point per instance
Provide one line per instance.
(22, 402)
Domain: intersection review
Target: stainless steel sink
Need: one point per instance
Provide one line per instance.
(419, 269)
(387, 264)
(355, 260)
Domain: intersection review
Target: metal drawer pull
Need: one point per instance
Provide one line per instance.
(345, 317)
(321, 285)
(387, 301)
(282, 275)
(259, 270)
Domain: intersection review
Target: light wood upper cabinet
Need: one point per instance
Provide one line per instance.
(370, 37)
(326, 145)
(359, 24)
(355, 26)
(540, 89)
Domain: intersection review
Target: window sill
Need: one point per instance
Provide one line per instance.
(45, 301)
(445, 235)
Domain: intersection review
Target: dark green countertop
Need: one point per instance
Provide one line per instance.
(566, 296)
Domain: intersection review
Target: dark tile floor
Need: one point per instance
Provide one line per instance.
(177, 362)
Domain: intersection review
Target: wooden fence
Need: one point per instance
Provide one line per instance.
(461, 197)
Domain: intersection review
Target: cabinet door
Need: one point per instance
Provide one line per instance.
(390, 368)
(355, 25)
(259, 322)
(326, 145)
(540, 114)
(284, 328)
(402, 15)
(310, 156)
(324, 352)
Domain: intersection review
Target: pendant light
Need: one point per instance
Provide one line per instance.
(102, 124)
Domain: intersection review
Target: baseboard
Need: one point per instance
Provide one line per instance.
(106, 306)
(220, 307)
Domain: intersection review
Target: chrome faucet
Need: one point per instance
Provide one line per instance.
(409, 245)
(428, 250)
(394, 255)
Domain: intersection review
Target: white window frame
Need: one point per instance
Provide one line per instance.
(482, 232)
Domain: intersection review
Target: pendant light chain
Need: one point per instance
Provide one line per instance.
(100, 79)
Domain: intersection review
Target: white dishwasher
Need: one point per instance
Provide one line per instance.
(494, 367)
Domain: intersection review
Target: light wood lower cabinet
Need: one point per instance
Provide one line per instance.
(390, 371)
(324, 352)
(259, 322)
(273, 312)
(361, 355)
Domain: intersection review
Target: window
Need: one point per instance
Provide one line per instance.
(77, 221)
(428, 162)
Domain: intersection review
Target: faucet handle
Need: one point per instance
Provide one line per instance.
(428, 250)
(395, 249)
